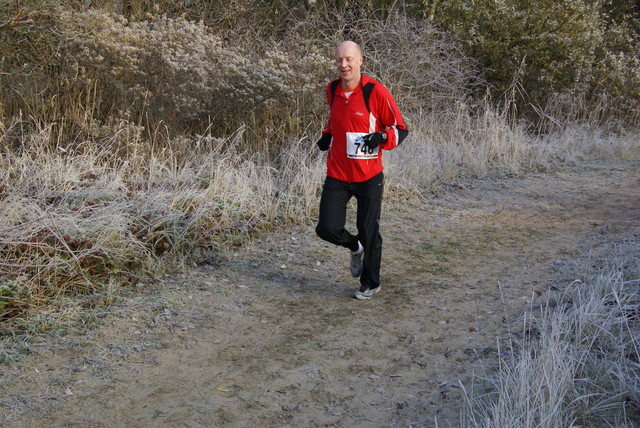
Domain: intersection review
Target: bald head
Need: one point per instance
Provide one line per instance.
(349, 46)
(348, 62)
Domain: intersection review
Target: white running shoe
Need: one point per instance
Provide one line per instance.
(356, 260)
(365, 293)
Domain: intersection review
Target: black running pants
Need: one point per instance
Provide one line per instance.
(333, 213)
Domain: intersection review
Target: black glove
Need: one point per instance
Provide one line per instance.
(324, 142)
(373, 140)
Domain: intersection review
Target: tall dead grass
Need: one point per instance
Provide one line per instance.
(72, 220)
(75, 218)
(478, 140)
(576, 363)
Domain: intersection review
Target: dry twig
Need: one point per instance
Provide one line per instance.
(21, 18)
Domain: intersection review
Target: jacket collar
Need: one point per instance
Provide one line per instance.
(363, 81)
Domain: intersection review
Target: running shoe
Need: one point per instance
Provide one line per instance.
(365, 293)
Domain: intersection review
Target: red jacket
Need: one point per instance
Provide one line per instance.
(349, 119)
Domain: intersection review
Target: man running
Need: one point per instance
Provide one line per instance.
(363, 119)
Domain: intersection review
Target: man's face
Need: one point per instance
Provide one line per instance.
(348, 62)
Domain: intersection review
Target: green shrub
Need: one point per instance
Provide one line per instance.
(554, 40)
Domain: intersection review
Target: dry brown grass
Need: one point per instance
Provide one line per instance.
(76, 219)
(91, 215)
(470, 141)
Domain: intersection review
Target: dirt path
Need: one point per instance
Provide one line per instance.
(270, 337)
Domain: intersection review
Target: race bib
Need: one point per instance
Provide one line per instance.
(356, 149)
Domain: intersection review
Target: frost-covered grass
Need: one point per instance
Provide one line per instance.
(74, 220)
(577, 363)
(468, 141)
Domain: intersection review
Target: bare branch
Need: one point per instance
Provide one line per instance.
(21, 18)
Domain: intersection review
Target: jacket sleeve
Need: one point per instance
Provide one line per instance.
(389, 118)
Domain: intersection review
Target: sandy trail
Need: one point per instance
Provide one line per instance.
(270, 336)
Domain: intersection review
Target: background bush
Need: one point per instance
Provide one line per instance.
(99, 66)
(191, 66)
(583, 49)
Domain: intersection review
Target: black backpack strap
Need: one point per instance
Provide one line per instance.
(366, 92)
(333, 85)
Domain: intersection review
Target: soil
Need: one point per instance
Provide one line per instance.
(270, 336)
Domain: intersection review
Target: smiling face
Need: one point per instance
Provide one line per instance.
(348, 62)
